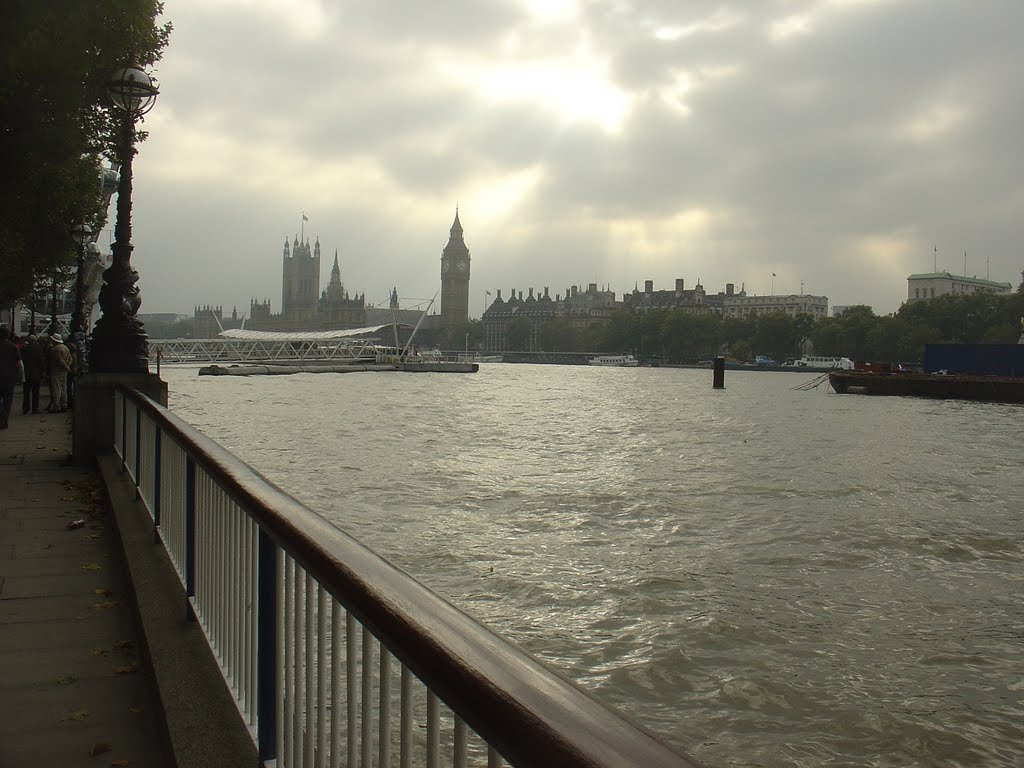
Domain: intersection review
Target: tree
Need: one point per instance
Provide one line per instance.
(557, 336)
(517, 337)
(55, 123)
(776, 335)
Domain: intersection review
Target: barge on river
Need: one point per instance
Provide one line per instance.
(992, 372)
(1000, 389)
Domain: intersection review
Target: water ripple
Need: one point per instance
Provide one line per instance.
(764, 577)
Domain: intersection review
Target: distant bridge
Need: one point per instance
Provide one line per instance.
(242, 346)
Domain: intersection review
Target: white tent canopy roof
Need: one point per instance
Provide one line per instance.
(349, 333)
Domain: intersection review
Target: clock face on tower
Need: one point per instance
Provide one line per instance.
(460, 266)
(444, 264)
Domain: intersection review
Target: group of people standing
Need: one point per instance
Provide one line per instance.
(29, 363)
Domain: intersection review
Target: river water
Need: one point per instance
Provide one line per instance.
(761, 576)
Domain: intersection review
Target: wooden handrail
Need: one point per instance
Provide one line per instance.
(530, 714)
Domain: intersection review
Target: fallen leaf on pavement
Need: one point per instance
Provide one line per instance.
(125, 669)
(102, 592)
(100, 747)
(66, 680)
(121, 763)
(78, 714)
(90, 567)
(104, 604)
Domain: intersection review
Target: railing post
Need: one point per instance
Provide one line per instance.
(266, 647)
(138, 451)
(124, 432)
(156, 483)
(190, 536)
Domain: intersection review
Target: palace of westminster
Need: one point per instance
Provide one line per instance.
(305, 308)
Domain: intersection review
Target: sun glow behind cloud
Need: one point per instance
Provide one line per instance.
(574, 89)
(495, 197)
(936, 122)
(572, 83)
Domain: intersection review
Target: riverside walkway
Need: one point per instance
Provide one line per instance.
(75, 687)
(98, 664)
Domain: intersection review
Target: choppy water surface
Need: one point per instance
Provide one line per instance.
(764, 577)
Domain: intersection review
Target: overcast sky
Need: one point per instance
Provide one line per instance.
(835, 143)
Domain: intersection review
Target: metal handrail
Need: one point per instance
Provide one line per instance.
(531, 715)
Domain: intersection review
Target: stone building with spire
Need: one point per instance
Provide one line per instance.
(455, 278)
(303, 306)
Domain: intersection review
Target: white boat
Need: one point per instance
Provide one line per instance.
(812, 361)
(616, 361)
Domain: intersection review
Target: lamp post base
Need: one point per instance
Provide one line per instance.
(125, 350)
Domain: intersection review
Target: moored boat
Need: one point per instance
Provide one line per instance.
(617, 361)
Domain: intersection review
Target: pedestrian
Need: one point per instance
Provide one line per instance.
(11, 373)
(60, 360)
(35, 369)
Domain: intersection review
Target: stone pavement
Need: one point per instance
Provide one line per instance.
(75, 682)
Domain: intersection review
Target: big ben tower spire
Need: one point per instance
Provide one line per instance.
(455, 278)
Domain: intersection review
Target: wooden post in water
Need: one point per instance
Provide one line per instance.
(718, 377)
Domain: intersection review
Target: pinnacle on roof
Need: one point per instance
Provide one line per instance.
(456, 225)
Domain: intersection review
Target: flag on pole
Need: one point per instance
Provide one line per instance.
(305, 217)
(773, 274)
(487, 292)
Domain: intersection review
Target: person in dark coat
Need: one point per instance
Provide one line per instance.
(10, 374)
(35, 370)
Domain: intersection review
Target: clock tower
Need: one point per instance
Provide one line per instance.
(455, 278)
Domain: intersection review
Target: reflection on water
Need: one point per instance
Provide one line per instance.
(764, 577)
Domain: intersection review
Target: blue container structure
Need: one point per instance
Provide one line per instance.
(975, 359)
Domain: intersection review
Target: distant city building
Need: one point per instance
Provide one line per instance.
(928, 285)
(209, 321)
(455, 278)
(838, 309)
(689, 300)
(792, 304)
(578, 309)
(303, 306)
(393, 313)
(581, 309)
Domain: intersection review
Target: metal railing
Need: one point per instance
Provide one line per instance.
(334, 656)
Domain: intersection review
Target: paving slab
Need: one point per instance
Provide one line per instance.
(75, 686)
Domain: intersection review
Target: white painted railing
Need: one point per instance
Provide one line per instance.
(334, 657)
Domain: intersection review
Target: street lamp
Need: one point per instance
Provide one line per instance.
(82, 233)
(119, 343)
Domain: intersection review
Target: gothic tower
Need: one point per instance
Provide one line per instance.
(455, 278)
(301, 282)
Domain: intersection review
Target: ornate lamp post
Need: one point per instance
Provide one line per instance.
(82, 233)
(53, 302)
(119, 343)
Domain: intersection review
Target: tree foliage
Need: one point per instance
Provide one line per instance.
(55, 122)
